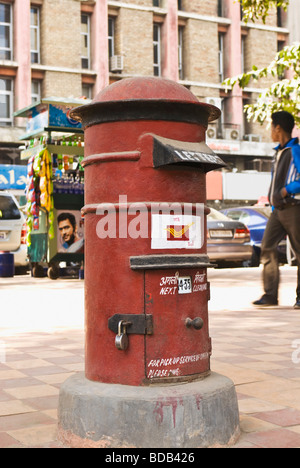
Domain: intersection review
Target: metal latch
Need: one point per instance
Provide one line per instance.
(135, 324)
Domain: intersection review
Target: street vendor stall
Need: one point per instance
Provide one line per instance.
(54, 149)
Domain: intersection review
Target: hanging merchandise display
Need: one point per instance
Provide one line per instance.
(39, 193)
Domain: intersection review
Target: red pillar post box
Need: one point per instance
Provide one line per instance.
(147, 379)
(145, 165)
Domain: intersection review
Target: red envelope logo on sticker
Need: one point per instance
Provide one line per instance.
(179, 233)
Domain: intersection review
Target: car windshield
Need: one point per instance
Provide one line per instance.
(215, 215)
(8, 208)
(251, 216)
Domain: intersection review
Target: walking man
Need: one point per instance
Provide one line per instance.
(284, 196)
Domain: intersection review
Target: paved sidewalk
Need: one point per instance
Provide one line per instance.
(41, 345)
(258, 349)
(36, 364)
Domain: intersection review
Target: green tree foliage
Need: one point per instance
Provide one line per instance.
(255, 9)
(284, 93)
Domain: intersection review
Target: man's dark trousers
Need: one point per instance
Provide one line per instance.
(281, 223)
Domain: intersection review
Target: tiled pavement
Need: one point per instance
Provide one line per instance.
(35, 366)
(258, 349)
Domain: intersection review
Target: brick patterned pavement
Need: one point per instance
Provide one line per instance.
(259, 349)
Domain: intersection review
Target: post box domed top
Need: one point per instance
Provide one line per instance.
(146, 88)
(144, 98)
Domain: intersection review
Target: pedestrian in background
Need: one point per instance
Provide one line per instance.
(284, 197)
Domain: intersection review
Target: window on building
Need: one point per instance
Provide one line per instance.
(243, 55)
(221, 104)
(6, 31)
(180, 52)
(6, 102)
(247, 126)
(280, 46)
(220, 8)
(156, 3)
(87, 90)
(157, 49)
(35, 91)
(35, 34)
(180, 7)
(279, 17)
(111, 36)
(221, 57)
(85, 41)
(242, 12)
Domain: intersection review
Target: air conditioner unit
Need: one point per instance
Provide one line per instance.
(252, 137)
(211, 132)
(232, 134)
(214, 101)
(116, 63)
(254, 165)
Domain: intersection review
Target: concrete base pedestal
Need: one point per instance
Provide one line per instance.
(201, 414)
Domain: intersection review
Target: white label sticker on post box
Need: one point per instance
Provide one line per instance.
(176, 232)
(184, 285)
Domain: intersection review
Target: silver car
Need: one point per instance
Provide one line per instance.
(228, 241)
(12, 229)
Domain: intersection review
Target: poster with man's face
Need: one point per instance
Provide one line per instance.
(70, 233)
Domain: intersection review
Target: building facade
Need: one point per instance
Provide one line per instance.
(74, 48)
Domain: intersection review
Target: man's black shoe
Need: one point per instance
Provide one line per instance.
(297, 305)
(266, 301)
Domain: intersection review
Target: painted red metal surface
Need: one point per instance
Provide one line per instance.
(119, 172)
(174, 350)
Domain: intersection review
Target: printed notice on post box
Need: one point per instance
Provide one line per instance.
(176, 232)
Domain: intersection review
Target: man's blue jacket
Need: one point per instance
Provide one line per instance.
(286, 173)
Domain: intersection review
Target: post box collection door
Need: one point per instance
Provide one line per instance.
(172, 351)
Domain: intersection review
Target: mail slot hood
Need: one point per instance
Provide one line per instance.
(173, 152)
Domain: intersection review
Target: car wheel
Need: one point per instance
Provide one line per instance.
(53, 272)
(38, 271)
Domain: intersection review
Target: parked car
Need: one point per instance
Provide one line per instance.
(228, 241)
(256, 218)
(13, 230)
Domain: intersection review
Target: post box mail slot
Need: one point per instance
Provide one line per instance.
(166, 151)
